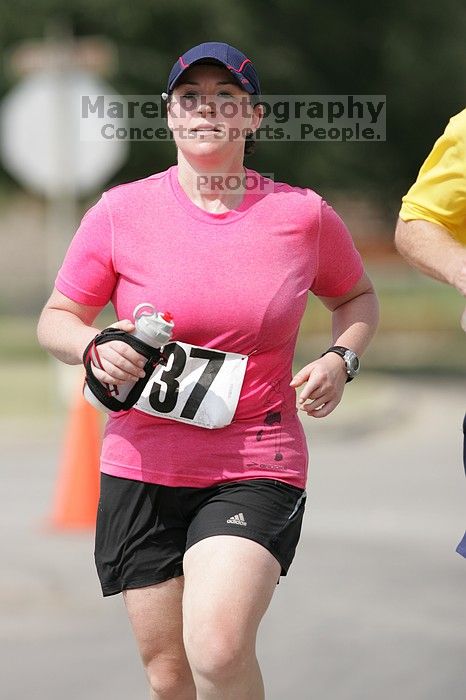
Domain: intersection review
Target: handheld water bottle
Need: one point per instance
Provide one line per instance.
(151, 327)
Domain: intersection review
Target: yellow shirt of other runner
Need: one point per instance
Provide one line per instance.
(439, 193)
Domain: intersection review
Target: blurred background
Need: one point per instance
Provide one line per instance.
(373, 602)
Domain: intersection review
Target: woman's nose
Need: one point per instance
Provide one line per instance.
(207, 105)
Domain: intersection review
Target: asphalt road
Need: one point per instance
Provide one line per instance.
(374, 603)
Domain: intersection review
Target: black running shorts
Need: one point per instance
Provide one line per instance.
(143, 529)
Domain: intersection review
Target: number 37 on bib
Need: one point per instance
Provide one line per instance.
(197, 385)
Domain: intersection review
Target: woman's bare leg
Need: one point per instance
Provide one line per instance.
(155, 613)
(229, 583)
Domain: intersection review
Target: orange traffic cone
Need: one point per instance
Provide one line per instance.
(77, 491)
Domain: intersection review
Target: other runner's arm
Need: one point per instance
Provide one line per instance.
(431, 220)
(431, 249)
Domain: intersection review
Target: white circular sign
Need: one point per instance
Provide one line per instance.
(40, 134)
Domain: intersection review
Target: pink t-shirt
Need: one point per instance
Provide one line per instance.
(236, 281)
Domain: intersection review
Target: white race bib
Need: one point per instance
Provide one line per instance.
(200, 386)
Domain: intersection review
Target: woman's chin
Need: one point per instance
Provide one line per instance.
(206, 148)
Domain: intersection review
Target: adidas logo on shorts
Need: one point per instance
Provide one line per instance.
(237, 519)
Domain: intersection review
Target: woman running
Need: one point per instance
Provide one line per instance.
(200, 510)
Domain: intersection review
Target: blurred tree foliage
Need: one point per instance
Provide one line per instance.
(410, 51)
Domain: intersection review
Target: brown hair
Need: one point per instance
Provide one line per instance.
(250, 145)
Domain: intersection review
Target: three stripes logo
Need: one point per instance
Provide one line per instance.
(237, 519)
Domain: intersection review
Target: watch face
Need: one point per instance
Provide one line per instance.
(352, 363)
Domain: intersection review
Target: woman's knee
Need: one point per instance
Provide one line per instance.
(170, 679)
(218, 652)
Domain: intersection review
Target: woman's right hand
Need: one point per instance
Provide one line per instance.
(120, 362)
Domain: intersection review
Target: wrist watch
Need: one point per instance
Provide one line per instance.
(351, 360)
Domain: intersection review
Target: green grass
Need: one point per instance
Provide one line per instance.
(27, 384)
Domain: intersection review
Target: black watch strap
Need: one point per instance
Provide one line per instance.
(339, 349)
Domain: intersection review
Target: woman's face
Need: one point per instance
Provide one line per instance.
(210, 114)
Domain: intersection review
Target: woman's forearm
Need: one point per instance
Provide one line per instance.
(64, 335)
(354, 323)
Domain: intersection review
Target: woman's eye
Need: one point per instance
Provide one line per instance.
(189, 101)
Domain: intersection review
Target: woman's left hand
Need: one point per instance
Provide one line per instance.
(325, 382)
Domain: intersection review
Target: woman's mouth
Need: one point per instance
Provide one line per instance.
(206, 130)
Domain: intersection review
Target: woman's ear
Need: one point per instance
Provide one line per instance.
(257, 117)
